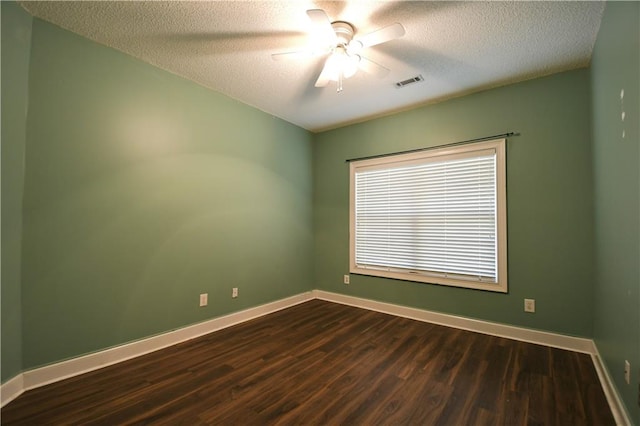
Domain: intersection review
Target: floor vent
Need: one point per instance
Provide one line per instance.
(408, 81)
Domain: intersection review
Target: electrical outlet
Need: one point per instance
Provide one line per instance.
(204, 299)
(234, 292)
(627, 371)
(346, 279)
(529, 305)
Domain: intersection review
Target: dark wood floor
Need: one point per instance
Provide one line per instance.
(325, 363)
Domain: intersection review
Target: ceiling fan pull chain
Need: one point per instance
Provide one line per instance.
(340, 77)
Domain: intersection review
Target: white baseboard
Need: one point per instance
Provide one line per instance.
(610, 391)
(83, 364)
(37, 377)
(31, 379)
(576, 344)
(560, 341)
(11, 389)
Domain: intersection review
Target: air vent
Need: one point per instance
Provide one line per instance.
(408, 81)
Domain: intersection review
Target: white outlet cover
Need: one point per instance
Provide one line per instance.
(204, 299)
(346, 279)
(529, 305)
(627, 372)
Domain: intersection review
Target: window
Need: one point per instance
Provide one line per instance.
(435, 216)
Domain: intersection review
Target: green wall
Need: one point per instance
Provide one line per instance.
(143, 190)
(615, 66)
(549, 201)
(16, 40)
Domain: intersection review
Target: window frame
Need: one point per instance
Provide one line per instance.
(496, 145)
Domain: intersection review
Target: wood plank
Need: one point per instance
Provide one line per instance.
(325, 363)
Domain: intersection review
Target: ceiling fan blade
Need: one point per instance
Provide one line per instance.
(382, 35)
(294, 54)
(307, 53)
(372, 68)
(325, 75)
(322, 25)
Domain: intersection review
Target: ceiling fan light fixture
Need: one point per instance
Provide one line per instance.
(354, 47)
(341, 64)
(352, 67)
(336, 39)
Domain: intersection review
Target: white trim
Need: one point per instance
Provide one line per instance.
(576, 344)
(35, 378)
(618, 409)
(31, 379)
(75, 366)
(11, 389)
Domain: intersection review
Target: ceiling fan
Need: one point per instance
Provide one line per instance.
(337, 40)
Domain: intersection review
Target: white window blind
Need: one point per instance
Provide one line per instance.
(433, 214)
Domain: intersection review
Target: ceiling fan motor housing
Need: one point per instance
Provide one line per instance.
(344, 32)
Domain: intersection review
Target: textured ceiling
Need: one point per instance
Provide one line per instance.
(458, 47)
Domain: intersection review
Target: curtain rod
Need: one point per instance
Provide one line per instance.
(486, 138)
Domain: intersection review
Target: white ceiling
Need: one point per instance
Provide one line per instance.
(458, 47)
